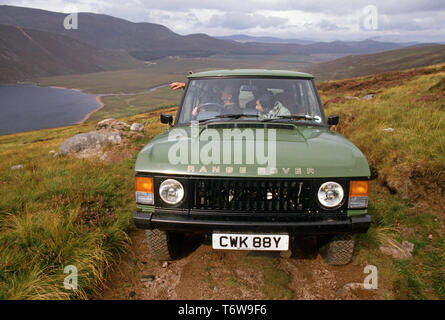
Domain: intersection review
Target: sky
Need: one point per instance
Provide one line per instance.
(323, 20)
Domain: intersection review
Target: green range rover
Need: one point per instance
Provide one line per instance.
(251, 161)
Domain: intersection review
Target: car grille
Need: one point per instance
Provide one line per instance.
(251, 195)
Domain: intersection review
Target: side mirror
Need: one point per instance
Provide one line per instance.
(167, 119)
(333, 120)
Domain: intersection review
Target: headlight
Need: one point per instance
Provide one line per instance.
(171, 191)
(330, 194)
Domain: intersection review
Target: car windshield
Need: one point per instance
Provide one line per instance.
(251, 98)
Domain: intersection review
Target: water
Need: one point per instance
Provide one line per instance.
(27, 107)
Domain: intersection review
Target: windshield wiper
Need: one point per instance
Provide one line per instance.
(294, 117)
(231, 116)
(237, 115)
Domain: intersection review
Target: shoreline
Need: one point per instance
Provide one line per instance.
(99, 96)
(101, 105)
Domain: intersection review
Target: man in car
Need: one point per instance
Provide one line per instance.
(228, 99)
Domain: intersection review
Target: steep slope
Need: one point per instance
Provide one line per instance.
(361, 65)
(27, 53)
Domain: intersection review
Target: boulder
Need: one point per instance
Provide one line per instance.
(368, 97)
(17, 167)
(351, 98)
(398, 251)
(113, 124)
(89, 141)
(137, 127)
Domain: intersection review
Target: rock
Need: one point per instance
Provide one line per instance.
(91, 142)
(165, 264)
(147, 277)
(368, 97)
(351, 98)
(52, 152)
(17, 167)
(388, 130)
(137, 127)
(348, 288)
(396, 251)
(113, 124)
(430, 237)
(408, 246)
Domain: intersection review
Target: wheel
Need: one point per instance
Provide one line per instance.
(211, 106)
(162, 245)
(337, 250)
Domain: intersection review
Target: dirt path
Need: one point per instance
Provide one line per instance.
(204, 273)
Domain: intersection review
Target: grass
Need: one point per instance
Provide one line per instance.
(167, 70)
(365, 64)
(57, 212)
(61, 211)
(123, 105)
(396, 219)
(409, 164)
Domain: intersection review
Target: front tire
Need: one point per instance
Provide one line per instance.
(162, 245)
(337, 250)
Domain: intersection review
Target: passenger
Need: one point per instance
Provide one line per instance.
(177, 85)
(268, 108)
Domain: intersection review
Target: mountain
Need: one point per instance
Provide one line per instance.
(361, 65)
(246, 38)
(143, 40)
(27, 53)
(147, 41)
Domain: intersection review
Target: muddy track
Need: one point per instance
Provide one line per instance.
(204, 273)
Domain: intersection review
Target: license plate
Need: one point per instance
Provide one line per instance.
(236, 241)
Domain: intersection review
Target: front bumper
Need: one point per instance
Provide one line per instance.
(183, 223)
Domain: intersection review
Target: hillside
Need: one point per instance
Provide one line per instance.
(149, 41)
(58, 211)
(361, 65)
(26, 53)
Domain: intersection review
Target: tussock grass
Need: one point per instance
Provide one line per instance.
(412, 155)
(407, 196)
(61, 211)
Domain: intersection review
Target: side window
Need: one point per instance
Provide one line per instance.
(311, 99)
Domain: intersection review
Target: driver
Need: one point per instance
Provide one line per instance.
(227, 101)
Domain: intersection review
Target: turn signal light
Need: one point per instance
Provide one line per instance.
(144, 184)
(359, 189)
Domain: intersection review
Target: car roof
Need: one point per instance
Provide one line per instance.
(260, 73)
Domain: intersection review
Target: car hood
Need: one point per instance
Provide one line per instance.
(303, 151)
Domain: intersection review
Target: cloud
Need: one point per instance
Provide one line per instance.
(243, 21)
(322, 19)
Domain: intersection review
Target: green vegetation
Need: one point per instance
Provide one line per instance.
(61, 211)
(28, 54)
(365, 64)
(166, 70)
(409, 165)
(126, 105)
